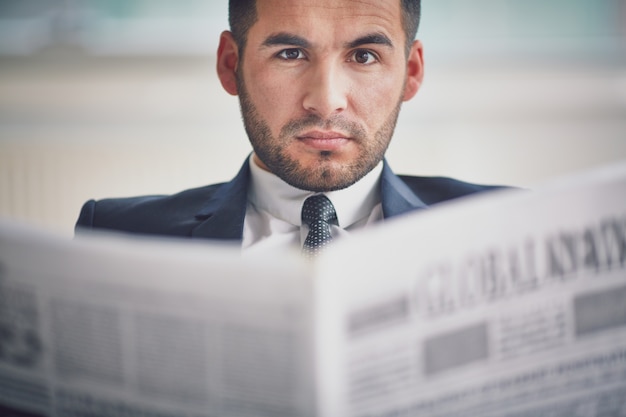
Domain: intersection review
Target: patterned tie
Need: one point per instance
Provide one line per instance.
(317, 212)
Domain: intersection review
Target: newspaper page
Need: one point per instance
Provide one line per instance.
(509, 304)
(113, 326)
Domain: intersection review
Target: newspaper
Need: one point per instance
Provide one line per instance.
(125, 327)
(506, 304)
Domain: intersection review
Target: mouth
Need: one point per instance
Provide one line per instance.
(324, 140)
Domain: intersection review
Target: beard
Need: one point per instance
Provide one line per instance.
(326, 174)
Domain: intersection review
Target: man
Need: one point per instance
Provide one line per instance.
(320, 84)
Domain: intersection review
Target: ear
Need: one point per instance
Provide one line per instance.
(227, 61)
(415, 71)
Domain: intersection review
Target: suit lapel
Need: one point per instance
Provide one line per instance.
(397, 197)
(223, 215)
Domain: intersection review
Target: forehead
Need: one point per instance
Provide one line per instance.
(329, 16)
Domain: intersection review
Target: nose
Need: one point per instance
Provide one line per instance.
(326, 91)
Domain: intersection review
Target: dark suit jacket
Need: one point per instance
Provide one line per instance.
(217, 211)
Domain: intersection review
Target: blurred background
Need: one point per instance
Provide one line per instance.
(102, 98)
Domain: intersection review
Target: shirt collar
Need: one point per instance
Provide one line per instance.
(269, 193)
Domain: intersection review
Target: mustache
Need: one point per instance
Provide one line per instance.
(297, 126)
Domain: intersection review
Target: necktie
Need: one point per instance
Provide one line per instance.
(317, 212)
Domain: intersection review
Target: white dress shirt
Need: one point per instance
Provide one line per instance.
(274, 208)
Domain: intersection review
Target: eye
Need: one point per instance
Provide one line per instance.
(363, 56)
(291, 54)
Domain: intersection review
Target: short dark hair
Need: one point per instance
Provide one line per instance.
(242, 15)
(411, 13)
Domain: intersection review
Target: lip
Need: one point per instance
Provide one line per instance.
(322, 140)
(322, 135)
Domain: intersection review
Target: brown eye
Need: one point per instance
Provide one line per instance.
(363, 56)
(290, 54)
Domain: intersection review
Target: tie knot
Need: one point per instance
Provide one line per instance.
(318, 207)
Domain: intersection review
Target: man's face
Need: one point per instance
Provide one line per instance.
(321, 84)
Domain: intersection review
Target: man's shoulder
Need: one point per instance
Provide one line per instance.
(173, 214)
(433, 190)
(179, 214)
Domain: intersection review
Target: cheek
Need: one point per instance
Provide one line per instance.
(273, 96)
(265, 86)
(374, 99)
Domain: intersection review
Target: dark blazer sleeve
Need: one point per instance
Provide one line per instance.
(434, 190)
(215, 211)
(87, 214)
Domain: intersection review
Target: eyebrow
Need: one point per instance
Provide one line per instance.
(372, 38)
(284, 38)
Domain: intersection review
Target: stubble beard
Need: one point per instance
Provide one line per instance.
(326, 175)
